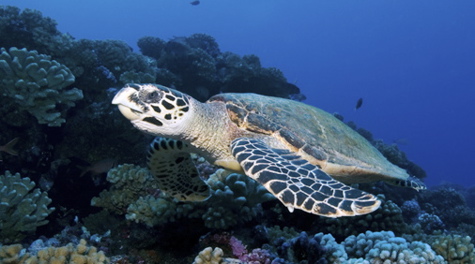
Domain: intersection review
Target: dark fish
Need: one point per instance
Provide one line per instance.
(8, 148)
(195, 2)
(359, 103)
(99, 167)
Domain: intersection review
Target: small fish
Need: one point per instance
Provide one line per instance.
(195, 2)
(359, 103)
(401, 141)
(8, 148)
(99, 167)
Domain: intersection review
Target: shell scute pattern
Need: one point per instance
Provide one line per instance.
(306, 129)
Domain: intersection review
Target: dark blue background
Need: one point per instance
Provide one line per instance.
(413, 61)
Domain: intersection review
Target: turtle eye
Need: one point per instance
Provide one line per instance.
(152, 97)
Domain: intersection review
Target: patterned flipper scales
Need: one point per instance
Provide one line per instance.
(171, 164)
(299, 184)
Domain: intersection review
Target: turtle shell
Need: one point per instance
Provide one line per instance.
(314, 134)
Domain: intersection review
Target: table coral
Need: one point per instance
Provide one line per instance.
(34, 83)
(22, 208)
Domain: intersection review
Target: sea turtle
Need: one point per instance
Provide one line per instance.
(299, 153)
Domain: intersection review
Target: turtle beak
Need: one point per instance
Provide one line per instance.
(126, 99)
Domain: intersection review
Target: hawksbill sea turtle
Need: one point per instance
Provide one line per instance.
(304, 156)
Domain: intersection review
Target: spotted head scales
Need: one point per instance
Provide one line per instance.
(303, 155)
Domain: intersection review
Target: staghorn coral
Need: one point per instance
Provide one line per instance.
(34, 83)
(22, 208)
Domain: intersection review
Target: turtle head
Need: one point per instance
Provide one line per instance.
(154, 109)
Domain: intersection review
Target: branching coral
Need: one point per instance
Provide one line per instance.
(455, 249)
(384, 247)
(232, 196)
(29, 29)
(75, 254)
(398, 157)
(235, 199)
(36, 84)
(387, 217)
(445, 202)
(302, 249)
(154, 211)
(196, 66)
(209, 256)
(22, 208)
(129, 183)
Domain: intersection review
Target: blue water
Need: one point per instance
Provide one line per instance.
(413, 62)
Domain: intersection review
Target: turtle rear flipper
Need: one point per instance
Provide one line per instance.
(299, 184)
(171, 164)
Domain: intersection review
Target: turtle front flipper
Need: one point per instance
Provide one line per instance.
(299, 184)
(171, 164)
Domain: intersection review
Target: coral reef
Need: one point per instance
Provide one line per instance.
(196, 66)
(391, 152)
(129, 183)
(387, 217)
(22, 207)
(76, 254)
(143, 225)
(385, 247)
(445, 202)
(29, 29)
(209, 256)
(301, 249)
(34, 83)
(454, 248)
(232, 194)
